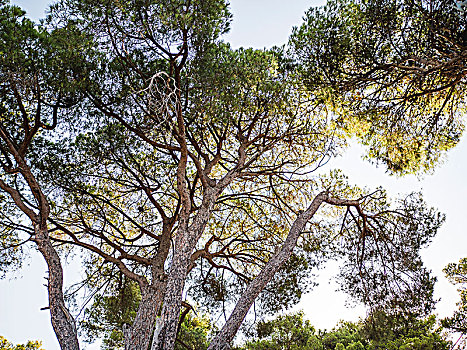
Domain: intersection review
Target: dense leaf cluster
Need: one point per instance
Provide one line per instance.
(378, 331)
(396, 68)
(30, 345)
(457, 274)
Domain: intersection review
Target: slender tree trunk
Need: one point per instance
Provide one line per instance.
(62, 321)
(138, 335)
(226, 334)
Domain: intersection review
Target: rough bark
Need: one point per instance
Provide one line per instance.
(226, 334)
(138, 336)
(185, 243)
(173, 294)
(167, 326)
(62, 321)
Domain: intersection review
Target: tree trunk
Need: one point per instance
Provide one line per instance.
(138, 336)
(167, 332)
(185, 242)
(227, 333)
(62, 321)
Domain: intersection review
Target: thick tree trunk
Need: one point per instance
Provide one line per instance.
(185, 243)
(226, 334)
(167, 332)
(138, 336)
(62, 321)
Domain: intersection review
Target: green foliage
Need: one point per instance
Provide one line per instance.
(33, 83)
(293, 332)
(394, 331)
(373, 61)
(379, 331)
(30, 345)
(457, 275)
(288, 284)
(284, 332)
(142, 81)
(123, 152)
(19, 40)
(411, 230)
(118, 305)
(194, 333)
(109, 312)
(20, 61)
(345, 336)
(12, 252)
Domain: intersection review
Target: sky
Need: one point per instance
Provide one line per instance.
(264, 23)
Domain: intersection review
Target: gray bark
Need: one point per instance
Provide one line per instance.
(185, 243)
(173, 294)
(226, 334)
(62, 321)
(138, 336)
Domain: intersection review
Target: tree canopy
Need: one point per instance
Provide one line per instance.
(377, 331)
(30, 345)
(396, 69)
(457, 275)
(186, 173)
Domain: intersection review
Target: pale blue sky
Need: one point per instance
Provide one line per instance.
(263, 23)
